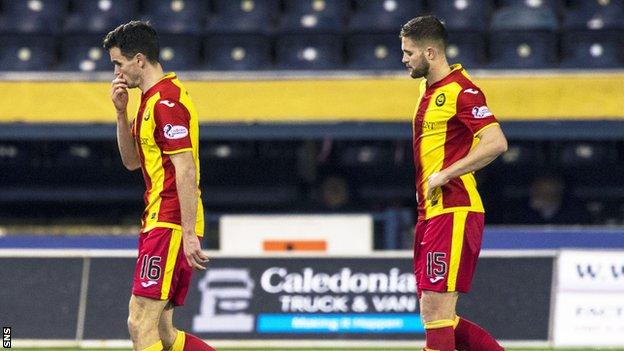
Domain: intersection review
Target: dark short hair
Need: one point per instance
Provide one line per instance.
(132, 38)
(427, 28)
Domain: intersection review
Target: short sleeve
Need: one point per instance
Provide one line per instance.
(472, 110)
(172, 126)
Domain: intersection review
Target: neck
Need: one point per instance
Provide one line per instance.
(438, 72)
(151, 76)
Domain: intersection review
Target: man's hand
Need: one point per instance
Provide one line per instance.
(194, 255)
(435, 181)
(119, 93)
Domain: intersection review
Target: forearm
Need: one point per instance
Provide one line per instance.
(188, 196)
(479, 157)
(125, 143)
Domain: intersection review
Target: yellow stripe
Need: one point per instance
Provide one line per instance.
(455, 322)
(486, 127)
(172, 256)
(178, 344)
(153, 163)
(560, 96)
(177, 151)
(457, 243)
(156, 347)
(442, 323)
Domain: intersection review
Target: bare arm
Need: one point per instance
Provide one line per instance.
(125, 142)
(492, 143)
(186, 183)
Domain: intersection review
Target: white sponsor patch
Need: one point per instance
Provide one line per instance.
(175, 132)
(481, 112)
(471, 91)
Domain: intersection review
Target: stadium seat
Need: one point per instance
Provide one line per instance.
(383, 15)
(592, 49)
(521, 18)
(16, 159)
(467, 48)
(523, 37)
(176, 16)
(523, 50)
(310, 52)
(237, 52)
(84, 53)
(590, 16)
(586, 154)
(593, 5)
(99, 16)
(27, 53)
(179, 52)
(463, 15)
(374, 51)
(32, 16)
(554, 5)
(313, 16)
(243, 16)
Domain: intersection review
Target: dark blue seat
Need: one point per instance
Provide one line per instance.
(593, 49)
(523, 50)
(383, 15)
(176, 16)
(307, 51)
(374, 51)
(524, 18)
(32, 16)
(470, 15)
(179, 52)
(237, 52)
(84, 53)
(595, 5)
(27, 53)
(313, 16)
(554, 5)
(523, 37)
(598, 17)
(467, 48)
(99, 16)
(243, 16)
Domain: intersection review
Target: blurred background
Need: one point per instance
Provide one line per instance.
(305, 108)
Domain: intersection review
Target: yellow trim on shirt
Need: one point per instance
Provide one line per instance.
(177, 151)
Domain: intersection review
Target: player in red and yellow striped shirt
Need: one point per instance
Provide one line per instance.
(163, 141)
(454, 134)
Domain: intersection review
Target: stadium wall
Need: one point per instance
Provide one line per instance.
(268, 299)
(525, 96)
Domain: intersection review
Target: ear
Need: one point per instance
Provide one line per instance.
(141, 60)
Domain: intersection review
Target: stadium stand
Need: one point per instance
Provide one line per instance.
(374, 171)
(505, 34)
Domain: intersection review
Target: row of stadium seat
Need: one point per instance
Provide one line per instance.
(595, 49)
(308, 16)
(280, 175)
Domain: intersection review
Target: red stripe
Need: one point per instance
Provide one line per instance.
(456, 146)
(417, 139)
(170, 205)
(148, 182)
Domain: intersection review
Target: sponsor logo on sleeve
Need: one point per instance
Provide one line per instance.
(471, 91)
(481, 112)
(175, 132)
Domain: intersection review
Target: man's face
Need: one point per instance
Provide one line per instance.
(125, 68)
(414, 58)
